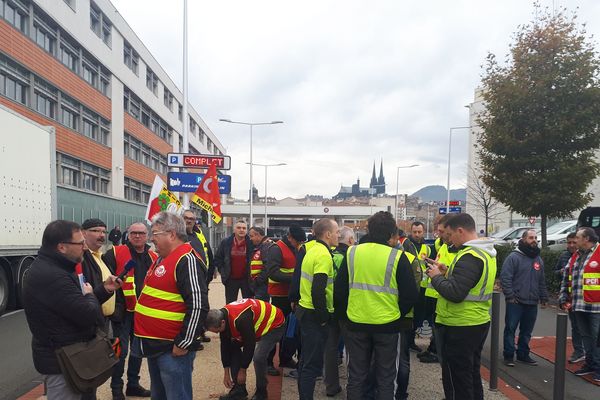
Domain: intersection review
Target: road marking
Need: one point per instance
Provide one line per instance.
(10, 313)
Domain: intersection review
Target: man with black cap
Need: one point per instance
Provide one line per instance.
(280, 264)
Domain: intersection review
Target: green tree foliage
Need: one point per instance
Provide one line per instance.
(540, 126)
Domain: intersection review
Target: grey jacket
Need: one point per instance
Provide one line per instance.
(523, 279)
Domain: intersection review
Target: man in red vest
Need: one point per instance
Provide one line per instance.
(251, 324)
(171, 309)
(258, 273)
(116, 258)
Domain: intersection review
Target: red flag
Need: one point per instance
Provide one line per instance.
(207, 195)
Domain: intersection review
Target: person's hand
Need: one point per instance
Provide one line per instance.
(87, 289)
(227, 379)
(512, 300)
(433, 269)
(241, 376)
(112, 283)
(178, 351)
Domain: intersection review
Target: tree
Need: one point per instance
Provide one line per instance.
(540, 126)
(480, 197)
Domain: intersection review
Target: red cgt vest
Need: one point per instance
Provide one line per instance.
(122, 256)
(256, 264)
(591, 276)
(160, 309)
(266, 317)
(288, 264)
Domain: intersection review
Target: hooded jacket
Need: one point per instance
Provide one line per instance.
(466, 272)
(523, 279)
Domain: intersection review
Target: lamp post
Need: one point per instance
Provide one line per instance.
(449, 153)
(266, 167)
(397, 184)
(251, 125)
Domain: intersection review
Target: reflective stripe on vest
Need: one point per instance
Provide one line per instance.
(204, 242)
(288, 264)
(373, 294)
(256, 263)
(265, 317)
(122, 255)
(590, 276)
(474, 309)
(318, 255)
(424, 251)
(160, 309)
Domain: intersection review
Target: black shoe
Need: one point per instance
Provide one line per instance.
(422, 354)
(137, 391)
(237, 392)
(339, 390)
(204, 338)
(261, 394)
(527, 360)
(289, 364)
(271, 370)
(118, 395)
(200, 346)
(429, 358)
(584, 371)
(414, 347)
(509, 362)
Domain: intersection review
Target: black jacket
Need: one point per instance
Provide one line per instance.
(408, 295)
(191, 283)
(223, 257)
(57, 312)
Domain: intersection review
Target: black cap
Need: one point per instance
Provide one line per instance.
(297, 233)
(92, 223)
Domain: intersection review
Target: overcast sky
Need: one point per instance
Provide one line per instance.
(354, 81)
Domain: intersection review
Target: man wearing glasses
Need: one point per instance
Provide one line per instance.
(138, 250)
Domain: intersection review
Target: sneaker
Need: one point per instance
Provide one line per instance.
(118, 395)
(335, 392)
(137, 391)
(429, 358)
(414, 347)
(237, 392)
(271, 370)
(576, 357)
(596, 377)
(509, 362)
(292, 374)
(200, 346)
(584, 371)
(422, 354)
(527, 360)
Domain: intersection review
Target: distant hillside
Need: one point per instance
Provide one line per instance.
(438, 193)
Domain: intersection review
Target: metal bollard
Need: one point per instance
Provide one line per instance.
(560, 356)
(495, 342)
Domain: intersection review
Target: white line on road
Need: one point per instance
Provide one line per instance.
(10, 313)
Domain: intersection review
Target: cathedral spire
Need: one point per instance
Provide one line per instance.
(381, 180)
(373, 184)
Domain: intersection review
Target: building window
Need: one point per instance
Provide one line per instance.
(69, 118)
(13, 88)
(105, 82)
(69, 56)
(100, 24)
(95, 19)
(106, 31)
(179, 112)
(44, 36)
(15, 13)
(201, 135)
(151, 81)
(137, 191)
(131, 58)
(192, 126)
(168, 99)
(82, 175)
(140, 111)
(44, 105)
(89, 75)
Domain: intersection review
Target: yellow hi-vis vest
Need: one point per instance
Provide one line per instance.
(444, 257)
(318, 260)
(475, 308)
(373, 294)
(423, 251)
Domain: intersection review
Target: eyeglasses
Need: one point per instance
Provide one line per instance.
(138, 233)
(76, 243)
(189, 218)
(97, 231)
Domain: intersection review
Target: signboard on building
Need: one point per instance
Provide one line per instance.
(187, 182)
(198, 161)
(453, 210)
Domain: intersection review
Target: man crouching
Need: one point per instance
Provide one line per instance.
(254, 325)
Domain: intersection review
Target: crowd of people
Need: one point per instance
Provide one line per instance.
(313, 295)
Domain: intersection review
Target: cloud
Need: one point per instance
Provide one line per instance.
(354, 81)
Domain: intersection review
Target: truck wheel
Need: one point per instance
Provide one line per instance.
(4, 292)
(23, 270)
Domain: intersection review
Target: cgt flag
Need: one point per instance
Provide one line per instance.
(207, 195)
(161, 199)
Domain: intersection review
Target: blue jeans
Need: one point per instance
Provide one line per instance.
(134, 364)
(588, 324)
(523, 316)
(171, 377)
(403, 366)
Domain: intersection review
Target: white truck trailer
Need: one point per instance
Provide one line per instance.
(28, 182)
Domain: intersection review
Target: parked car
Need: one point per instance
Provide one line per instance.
(590, 217)
(507, 236)
(556, 235)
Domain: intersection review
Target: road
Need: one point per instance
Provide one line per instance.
(18, 374)
(537, 382)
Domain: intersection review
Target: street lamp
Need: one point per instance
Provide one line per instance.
(251, 125)
(266, 167)
(397, 184)
(449, 153)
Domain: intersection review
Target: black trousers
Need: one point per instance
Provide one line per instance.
(287, 346)
(461, 360)
(233, 286)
